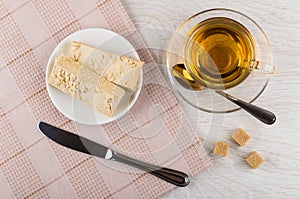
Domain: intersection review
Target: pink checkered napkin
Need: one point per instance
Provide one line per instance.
(32, 166)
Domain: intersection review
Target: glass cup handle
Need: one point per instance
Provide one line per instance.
(263, 67)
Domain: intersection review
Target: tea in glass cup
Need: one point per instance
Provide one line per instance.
(219, 53)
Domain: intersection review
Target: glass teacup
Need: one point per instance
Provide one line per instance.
(220, 49)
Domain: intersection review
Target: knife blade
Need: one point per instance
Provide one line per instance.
(84, 145)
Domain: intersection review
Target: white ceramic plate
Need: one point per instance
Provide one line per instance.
(73, 108)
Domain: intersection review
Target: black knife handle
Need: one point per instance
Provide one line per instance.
(177, 178)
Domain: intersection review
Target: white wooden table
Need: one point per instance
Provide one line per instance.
(279, 176)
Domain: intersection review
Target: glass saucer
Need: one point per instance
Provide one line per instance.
(249, 90)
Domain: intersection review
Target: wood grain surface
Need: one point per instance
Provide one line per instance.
(279, 144)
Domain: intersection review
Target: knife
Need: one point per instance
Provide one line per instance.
(84, 145)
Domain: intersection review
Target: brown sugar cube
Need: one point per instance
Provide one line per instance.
(254, 160)
(241, 137)
(221, 149)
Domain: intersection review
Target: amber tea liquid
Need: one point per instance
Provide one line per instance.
(219, 53)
